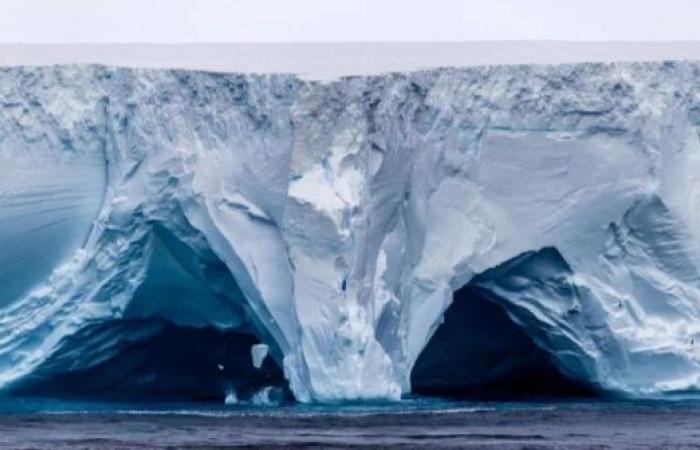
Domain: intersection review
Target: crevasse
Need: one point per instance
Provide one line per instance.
(335, 220)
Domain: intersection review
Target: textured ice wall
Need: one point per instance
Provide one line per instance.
(337, 218)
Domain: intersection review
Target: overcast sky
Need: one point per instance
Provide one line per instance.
(161, 21)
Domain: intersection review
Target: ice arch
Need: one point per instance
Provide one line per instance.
(184, 334)
(193, 176)
(494, 340)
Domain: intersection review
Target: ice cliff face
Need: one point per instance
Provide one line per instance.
(335, 220)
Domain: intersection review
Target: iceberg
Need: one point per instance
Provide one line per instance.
(371, 235)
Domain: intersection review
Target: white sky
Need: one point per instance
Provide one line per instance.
(179, 21)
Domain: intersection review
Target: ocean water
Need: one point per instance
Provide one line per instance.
(413, 423)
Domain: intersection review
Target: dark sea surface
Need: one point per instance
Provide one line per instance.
(418, 423)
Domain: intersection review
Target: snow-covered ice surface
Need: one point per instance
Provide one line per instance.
(324, 61)
(334, 219)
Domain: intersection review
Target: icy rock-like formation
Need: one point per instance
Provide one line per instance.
(335, 219)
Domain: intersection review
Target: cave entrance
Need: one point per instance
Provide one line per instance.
(479, 352)
(184, 336)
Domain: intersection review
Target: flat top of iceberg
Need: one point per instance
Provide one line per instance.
(332, 60)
